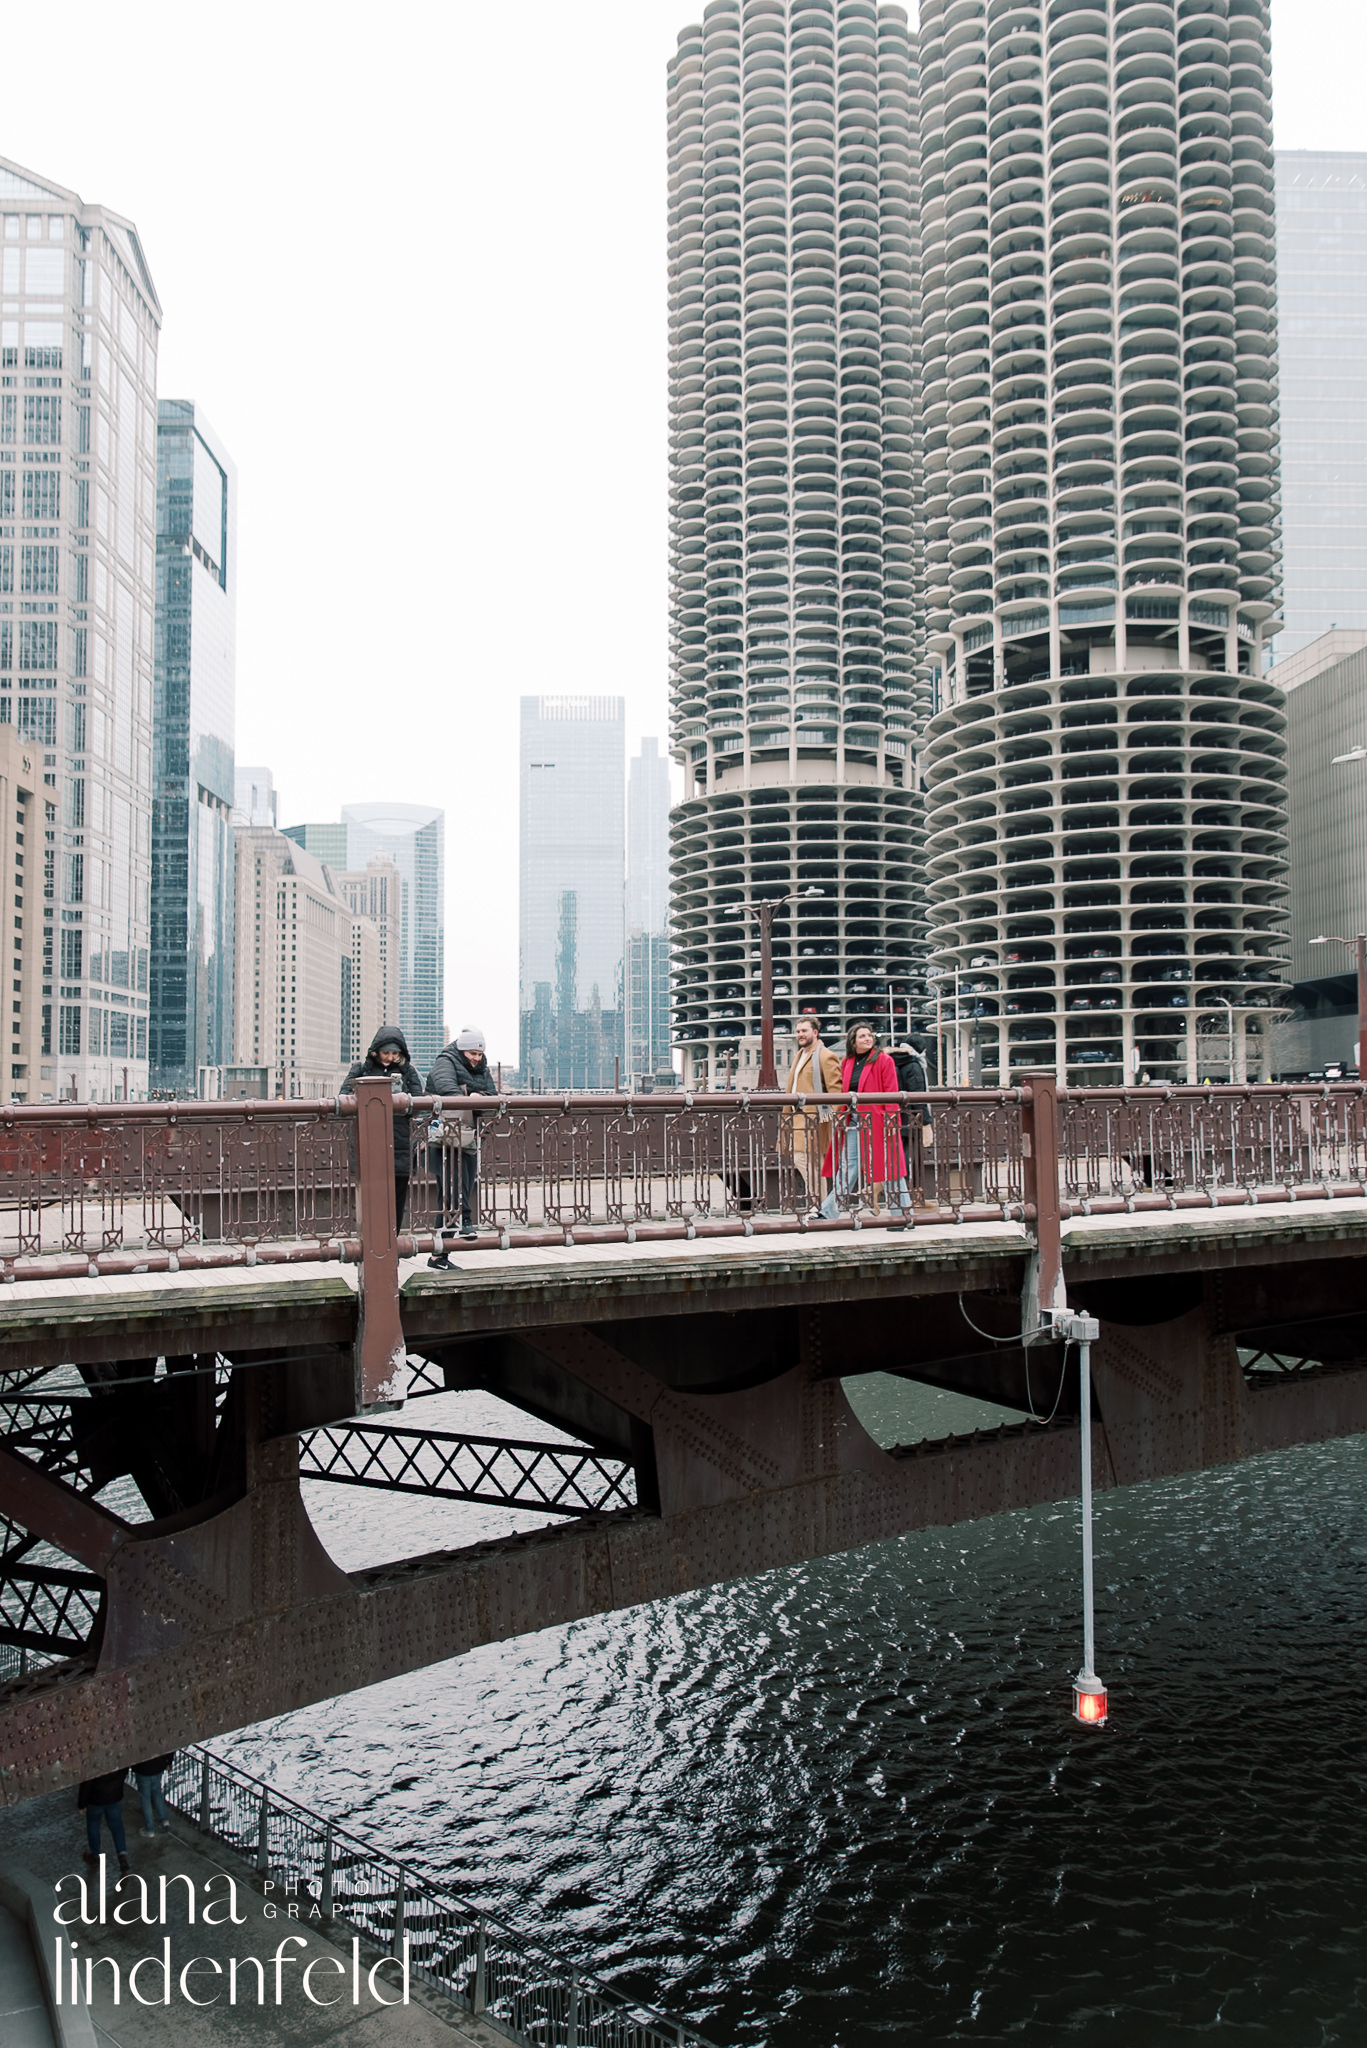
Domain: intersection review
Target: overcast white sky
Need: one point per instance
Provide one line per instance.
(411, 261)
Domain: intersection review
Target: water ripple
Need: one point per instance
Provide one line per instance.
(847, 1804)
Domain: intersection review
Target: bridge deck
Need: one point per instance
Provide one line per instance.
(125, 1316)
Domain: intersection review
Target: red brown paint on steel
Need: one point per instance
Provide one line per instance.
(1040, 1161)
(380, 1351)
(49, 1508)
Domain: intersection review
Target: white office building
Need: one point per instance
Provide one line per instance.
(79, 321)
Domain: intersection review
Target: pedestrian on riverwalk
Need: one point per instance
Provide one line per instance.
(867, 1146)
(815, 1071)
(918, 1132)
(147, 1776)
(101, 1799)
(388, 1058)
(461, 1068)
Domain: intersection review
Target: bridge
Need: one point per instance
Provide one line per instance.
(212, 1300)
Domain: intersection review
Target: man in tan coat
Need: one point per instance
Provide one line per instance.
(815, 1071)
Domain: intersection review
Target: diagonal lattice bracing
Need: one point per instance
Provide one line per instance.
(559, 1479)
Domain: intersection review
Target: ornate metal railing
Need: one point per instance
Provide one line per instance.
(120, 1188)
(455, 1945)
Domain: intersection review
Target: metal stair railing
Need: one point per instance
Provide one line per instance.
(457, 1947)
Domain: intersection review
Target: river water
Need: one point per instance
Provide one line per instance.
(847, 1803)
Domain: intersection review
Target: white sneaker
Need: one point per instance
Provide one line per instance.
(148, 1834)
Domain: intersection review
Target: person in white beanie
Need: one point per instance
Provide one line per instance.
(461, 1068)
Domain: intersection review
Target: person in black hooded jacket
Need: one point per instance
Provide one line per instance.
(388, 1056)
(460, 1068)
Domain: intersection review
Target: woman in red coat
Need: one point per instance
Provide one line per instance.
(867, 1146)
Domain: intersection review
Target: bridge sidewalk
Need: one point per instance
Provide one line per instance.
(45, 1836)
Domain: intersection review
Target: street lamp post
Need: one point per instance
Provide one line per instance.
(1359, 946)
(763, 914)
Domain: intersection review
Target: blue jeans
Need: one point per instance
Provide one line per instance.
(153, 1805)
(848, 1176)
(114, 1815)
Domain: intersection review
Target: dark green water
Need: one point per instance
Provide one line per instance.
(847, 1803)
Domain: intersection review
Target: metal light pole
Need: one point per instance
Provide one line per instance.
(1359, 946)
(763, 914)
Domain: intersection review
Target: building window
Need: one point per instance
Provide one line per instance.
(72, 943)
(6, 571)
(80, 580)
(69, 1028)
(6, 494)
(38, 572)
(37, 720)
(6, 644)
(8, 413)
(78, 646)
(38, 644)
(42, 416)
(42, 494)
(75, 876)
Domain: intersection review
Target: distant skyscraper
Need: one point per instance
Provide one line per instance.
(325, 842)
(78, 346)
(414, 838)
(570, 889)
(646, 978)
(254, 798)
(1322, 323)
(191, 992)
(309, 975)
(797, 651)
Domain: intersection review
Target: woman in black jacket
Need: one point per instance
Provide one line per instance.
(388, 1056)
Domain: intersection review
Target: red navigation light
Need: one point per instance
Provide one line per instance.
(1089, 1702)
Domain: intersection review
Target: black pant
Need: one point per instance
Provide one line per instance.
(400, 1198)
(463, 1178)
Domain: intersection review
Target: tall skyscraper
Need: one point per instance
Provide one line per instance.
(193, 886)
(79, 322)
(1106, 769)
(413, 836)
(798, 679)
(648, 1047)
(571, 877)
(1322, 318)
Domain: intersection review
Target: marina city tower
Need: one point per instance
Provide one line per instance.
(798, 681)
(1105, 767)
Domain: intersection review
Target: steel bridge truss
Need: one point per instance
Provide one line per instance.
(555, 1479)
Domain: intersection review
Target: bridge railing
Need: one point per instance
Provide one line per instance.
(467, 1954)
(129, 1187)
(1143, 1149)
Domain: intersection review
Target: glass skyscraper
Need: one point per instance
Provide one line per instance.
(1322, 322)
(572, 870)
(79, 322)
(414, 837)
(646, 974)
(191, 991)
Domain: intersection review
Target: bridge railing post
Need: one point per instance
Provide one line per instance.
(381, 1355)
(1040, 1180)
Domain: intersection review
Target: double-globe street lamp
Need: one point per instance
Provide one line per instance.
(763, 914)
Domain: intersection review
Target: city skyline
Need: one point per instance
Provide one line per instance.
(615, 55)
